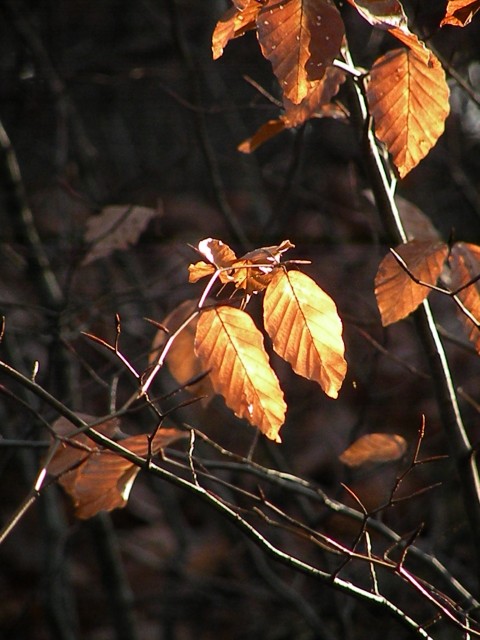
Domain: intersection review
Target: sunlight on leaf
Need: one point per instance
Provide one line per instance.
(116, 227)
(397, 294)
(219, 256)
(465, 265)
(181, 359)
(98, 479)
(231, 347)
(300, 38)
(459, 13)
(408, 100)
(374, 448)
(381, 13)
(306, 331)
(235, 22)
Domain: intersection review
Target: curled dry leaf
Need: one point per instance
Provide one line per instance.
(408, 99)
(374, 448)
(219, 256)
(181, 358)
(301, 38)
(397, 293)
(381, 13)
(235, 22)
(459, 13)
(98, 479)
(306, 331)
(116, 227)
(230, 346)
(465, 266)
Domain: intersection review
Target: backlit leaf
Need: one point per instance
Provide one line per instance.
(306, 331)
(254, 279)
(229, 345)
(414, 43)
(465, 265)
(235, 22)
(374, 448)
(408, 100)
(459, 13)
(98, 479)
(397, 294)
(300, 38)
(116, 227)
(381, 13)
(219, 256)
(181, 359)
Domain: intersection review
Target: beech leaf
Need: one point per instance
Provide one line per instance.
(465, 265)
(181, 359)
(229, 345)
(374, 448)
(301, 38)
(408, 99)
(306, 331)
(397, 293)
(235, 22)
(98, 479)
(219, 256)
(459, 13)
(381, 13)
(116, 227)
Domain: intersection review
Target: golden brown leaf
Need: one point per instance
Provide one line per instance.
(413, 42)
(231, 347)
(459, 13)
(265, 132)
(219, 256)
(300, 38)
(98, 479)
(254, 279)
(181, 358)
(235, 22)
(465, 265)
(381, 13)
(303, 323)
(408, 100)
(374, 448)
(397, 294)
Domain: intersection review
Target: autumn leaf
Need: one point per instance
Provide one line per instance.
(306, 331)
(219, 256)
(408, 100)
(459, 13)
(235, 22)
(381, 13)
(397, 293)
(116, 227)
(301, 38)
(181, 358)
(374, 448)
(98, 479)
(416, 223)
(230, 346)
(465, 265)
(316, 104)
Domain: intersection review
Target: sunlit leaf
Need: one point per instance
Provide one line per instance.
(219, 256)
(408, 100)
(459, 13)
(381, 13)
(300, 38)
(231, 347)
(235, 22)
(374, 448)
(306, 331)
(397, 293)
(181, 359)
(254, 279)
(98, 479)
(413, 43)
(116, 227)
(465, 266)
(265, 132)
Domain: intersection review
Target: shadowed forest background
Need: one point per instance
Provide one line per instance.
(120, 103)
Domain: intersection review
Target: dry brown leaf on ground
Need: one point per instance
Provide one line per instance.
(459, 13)
(408, 99)
(374, 448)
(301, 38)
(116, 227)
(231, 347)
(234, 23)
(397, 293)
(465, 266)
(306, 331)
(98, 479)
